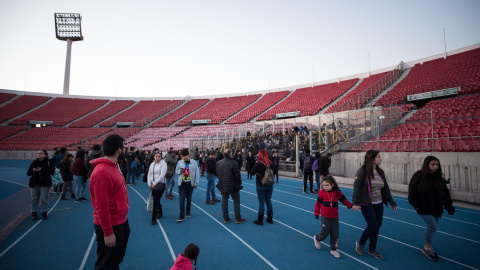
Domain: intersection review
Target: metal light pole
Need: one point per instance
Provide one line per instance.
(68, 28)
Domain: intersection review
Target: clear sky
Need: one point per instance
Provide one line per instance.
(170, 48)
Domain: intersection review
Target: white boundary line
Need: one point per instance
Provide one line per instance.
(29, 230)
(467, 266)
(309, 236)
(13, 183)
(85, 257)
(161, 228)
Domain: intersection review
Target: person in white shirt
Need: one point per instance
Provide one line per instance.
(156, 182)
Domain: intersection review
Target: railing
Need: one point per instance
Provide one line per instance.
(443, 144)
(368, 94)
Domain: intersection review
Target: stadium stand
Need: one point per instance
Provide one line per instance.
(366, 83)
(456, 70)
(21, 105)
(112, 108)
(61, 111)
(6, 131)
(149, 136)
(309, 100)
(4, 97)
(219, 109)
(258, 107)
(141, 110)
(179, 113)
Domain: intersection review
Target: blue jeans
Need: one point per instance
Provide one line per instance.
(317, 180)
(79, 186)
(373, 215)
(39, 193)
(432, 223)
(265, 196)
(169, 183)
(185, 191)
(211, 186)
(131, 174)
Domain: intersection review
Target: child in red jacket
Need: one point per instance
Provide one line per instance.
(327, 201)
(184, 260)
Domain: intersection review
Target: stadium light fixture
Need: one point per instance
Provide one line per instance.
(68, 27)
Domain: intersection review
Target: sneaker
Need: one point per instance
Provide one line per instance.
(55, 193)
(375, 254)
(359, 248)
(335, 254)
(241, 220)
(226, 220)
(317, 243)
(44, 215)
(180, 219)
(78, 201)
(82, 199)
(304, 191)
(189, 215)
(210, 202)
(34, 216)
(216, 200)
(430, 254)
(63, 198)
(73, 196)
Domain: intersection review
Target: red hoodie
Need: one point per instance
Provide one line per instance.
(327, 201)
(182, 263)
(109, 196)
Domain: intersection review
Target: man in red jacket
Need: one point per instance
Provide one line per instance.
(109, 197)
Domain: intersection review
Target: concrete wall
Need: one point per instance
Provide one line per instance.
(462, 168)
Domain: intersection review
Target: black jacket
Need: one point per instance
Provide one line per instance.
(239, 160)
(324, 166)
(228, 173)
(429, 202)
(250, 162)
(93, 155)
(361, 189)
(211, 165)
(259, 171)
(67, 175)
(44, 177)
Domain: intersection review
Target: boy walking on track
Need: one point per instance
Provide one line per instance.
(110, 204)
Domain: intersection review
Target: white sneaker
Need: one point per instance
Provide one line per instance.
(318, 245)
(335, 254)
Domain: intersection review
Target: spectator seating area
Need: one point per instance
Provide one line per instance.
(9, 130)
(21, 105)
(456, 70)
(4, 97)
(364, 85)
(141, 110)
(112, 108)
(219, 109)
(61, 111)
(179, 113)
(149, 136)
(267, 101)
(309, 101)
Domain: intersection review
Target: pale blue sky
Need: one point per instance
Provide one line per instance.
(178, 48)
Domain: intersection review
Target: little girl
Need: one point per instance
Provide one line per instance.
(327, 201)
(184, 260)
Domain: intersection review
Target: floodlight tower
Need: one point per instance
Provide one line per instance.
(68, 27)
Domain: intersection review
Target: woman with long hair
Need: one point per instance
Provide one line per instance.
(264, 192)
(40, 170)
(250, 159)
(79, 175)
(67, 175)
(371, 191)
(156, 182)
(428, 194)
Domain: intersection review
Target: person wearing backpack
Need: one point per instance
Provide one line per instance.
(315, 169)
(263, 170)
(170, 175)
(307, 163)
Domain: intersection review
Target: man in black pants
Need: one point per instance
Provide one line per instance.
(110, 204)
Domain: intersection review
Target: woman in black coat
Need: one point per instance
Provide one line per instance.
(239, 159)
(40, 172)
(428, 194)
(67, 175)
(250, 162)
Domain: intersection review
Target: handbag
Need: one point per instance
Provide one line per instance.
(150, 203)
(160, 185)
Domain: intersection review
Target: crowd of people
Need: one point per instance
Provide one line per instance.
(110, 169)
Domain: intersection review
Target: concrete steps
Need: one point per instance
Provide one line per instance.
(373, 101)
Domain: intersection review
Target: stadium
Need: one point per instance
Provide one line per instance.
(408, 111)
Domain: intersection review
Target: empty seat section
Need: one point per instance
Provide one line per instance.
(219, 109)
(4, 97)
(150, 136)
(179, 113)
(359, 101)
(6, 131)
(61, 111)
(309, 100)
(21, 105)
(112, 108)
(461, 69)
(258, 107)
(142, 110)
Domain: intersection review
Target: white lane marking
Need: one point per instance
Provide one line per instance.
(161, 228)
(13, 183)
(378, 235)
(85, 257)
(29, 230)
(309, 236)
